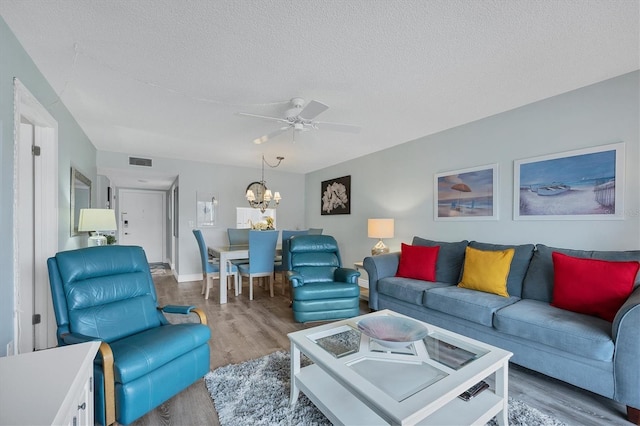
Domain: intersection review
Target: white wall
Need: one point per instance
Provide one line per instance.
(229, 184)
(74, 148)
(398, 182)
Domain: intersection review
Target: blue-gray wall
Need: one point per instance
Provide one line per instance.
(74, 148)
(398, 182)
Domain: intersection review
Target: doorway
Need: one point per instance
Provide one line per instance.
(142, 222)
(35, 219)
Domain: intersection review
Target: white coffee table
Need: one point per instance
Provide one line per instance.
(355, 381)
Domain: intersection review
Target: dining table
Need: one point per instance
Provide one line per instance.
(227, 253)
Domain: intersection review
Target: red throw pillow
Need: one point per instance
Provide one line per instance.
(592, 286)
(418, 262)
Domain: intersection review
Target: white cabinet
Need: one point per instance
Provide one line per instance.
(49, 387)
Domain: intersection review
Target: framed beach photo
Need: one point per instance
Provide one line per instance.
(467, 194)
(586, 184)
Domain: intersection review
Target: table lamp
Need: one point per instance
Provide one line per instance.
(98, 220)
(380, 228)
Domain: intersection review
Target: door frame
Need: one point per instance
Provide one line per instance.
(45, 214)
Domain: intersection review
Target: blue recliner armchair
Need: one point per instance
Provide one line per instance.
(106, 293)
(321, 289)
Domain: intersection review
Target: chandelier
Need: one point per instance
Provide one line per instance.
(258, 195)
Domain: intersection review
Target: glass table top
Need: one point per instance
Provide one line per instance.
(400, 371)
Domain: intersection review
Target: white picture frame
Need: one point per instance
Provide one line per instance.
(466, 194)
(583, 184)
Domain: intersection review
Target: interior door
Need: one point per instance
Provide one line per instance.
(142, 220)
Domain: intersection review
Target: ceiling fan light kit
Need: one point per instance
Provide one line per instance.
(300, 118)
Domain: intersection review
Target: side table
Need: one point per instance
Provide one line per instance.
(364, 291)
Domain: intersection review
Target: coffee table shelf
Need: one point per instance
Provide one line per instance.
(342, 408)
(348, 395)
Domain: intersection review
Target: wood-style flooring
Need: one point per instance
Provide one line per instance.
(242, 330)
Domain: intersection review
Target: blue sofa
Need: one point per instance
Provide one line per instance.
(583, 350)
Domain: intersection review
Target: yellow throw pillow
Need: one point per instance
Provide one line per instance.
(487, 270)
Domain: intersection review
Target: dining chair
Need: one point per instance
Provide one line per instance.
(211, 269)
(238, 236)
(107, 294)
(315, 231)
(283, 265)
(262, 251)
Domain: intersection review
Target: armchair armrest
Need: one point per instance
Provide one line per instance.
(109, 383)
(346, 275)
(378, 267)
(626, 335)
(295, 279)
(73, 338)
(185, 310)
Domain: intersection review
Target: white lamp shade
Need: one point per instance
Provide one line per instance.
(97, 220)
(276, 196)
(250, 195)
(267, 195)
(380, 228)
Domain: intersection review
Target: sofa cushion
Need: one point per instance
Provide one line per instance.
(407, 289)
(579, 334)
(592, 286)
(538, 283)
(418, 262)
(471, 305)
(519, 263)
(486, 271)
(450, 258)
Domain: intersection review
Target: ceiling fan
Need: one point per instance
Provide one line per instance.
(300, 118)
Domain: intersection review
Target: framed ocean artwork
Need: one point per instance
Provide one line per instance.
(585, 184)
(467, 194)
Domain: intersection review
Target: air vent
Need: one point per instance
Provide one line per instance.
(135, 161)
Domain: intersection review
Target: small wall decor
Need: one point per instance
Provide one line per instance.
(206, 209)
(467, 194)
(336, 196)
(581, 184)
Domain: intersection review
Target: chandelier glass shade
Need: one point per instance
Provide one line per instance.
(258, 195)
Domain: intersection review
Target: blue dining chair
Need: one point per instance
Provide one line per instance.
(238, 237)
(211, 269)
(283, 265)
(262, 251)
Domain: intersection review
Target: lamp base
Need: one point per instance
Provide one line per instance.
(97, 240)
(379, 248)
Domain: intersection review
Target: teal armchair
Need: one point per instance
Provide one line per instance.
(321, 289)
(106, 293)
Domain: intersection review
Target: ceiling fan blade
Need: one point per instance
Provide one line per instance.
(312, 110)
(271, 135)
(338, 127)
(246, 114)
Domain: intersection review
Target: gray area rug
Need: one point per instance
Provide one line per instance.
(256, 392)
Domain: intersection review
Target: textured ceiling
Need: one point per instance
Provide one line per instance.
(164, 78)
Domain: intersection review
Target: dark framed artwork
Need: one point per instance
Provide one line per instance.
(336, 196)
(582, 184)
